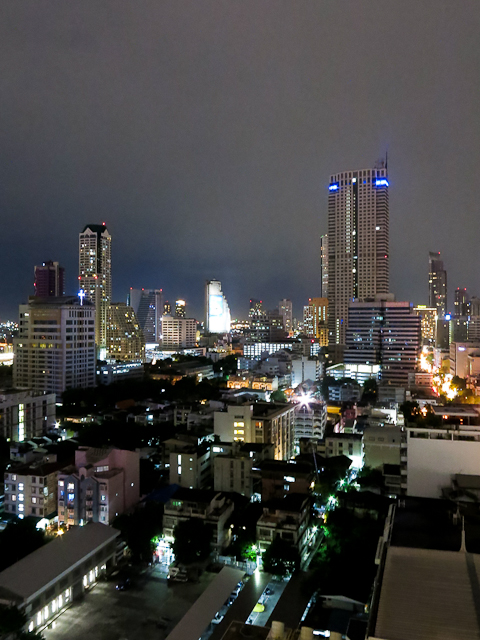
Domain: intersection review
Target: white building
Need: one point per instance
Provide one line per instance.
(459, 353)
(305, 368)
(433, 456)
(178, 332)
(55, 348)
(95, 274)
(190, 465)
(345, 444)
(25, 414)
(358, 241)
(217, 311)
(31, 490)
(381, 445)
(310, 420)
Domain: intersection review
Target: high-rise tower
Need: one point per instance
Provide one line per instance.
(217, 311)
(148, 307)
(324, 265)
(95, 274)
(49, 280)
(437, 284)
(358, 240)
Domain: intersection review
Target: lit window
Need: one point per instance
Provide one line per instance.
(20, 486)
(20, 497)
(61, 483)
(14, 477)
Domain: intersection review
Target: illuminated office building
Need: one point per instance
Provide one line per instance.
(437, 284)
(55, 348)
(124, 338)
(285, 309)
(461, 303)
(428, 323)
(217, 311)
(315, 320)
(178, 333)
(324, 265)
(95, 274)
(358, 244)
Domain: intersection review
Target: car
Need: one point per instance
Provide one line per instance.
(269, 591)
(218, 618)
(123, 584)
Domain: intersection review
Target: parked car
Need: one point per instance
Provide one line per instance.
(123, 583)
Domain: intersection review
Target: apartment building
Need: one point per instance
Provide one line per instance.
(26, 414)
(31, 489)
(102, 484)
(289, 519)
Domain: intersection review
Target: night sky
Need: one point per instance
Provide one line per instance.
(204, 134)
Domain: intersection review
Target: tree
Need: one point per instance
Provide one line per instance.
(12, 624)
(281, 558)
(192, 541)
(20, 537)
(139, 528)
(370, 389)
(278, 396)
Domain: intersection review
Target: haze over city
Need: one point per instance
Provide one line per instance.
(205, 134)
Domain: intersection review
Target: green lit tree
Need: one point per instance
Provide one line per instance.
(281, 558)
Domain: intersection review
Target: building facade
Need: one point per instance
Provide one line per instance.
(324, 265)
(31, 490)
(178, 332)
(26, 414)
(428, 324)
(437, 284)
(95, 274)
(148, 307)
(386, 333)
(49, 280)
(286, 311)
(124, 337)
(358, 244)
(55, 348)
(102, 484)
(217, 311)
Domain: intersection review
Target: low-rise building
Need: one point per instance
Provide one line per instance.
(233, 466)
(346, 444)
(381, 445)
(46, 581)
(212, 507)
(190, 465)
(345, 392)
(25, 414)
(102, 484)
(279, 478)
(310, 420)
(31, 490)
(289, 519)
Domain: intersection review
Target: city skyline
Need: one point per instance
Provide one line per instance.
(186, 151)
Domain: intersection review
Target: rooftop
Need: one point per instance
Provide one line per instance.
(37, 570)
(428, 594)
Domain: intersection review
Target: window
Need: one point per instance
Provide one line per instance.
(71, 486)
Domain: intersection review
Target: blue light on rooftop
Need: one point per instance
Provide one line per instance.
(333, 186)
(381, 182)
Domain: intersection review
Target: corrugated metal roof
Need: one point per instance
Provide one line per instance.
(428, 595)
(37, 570)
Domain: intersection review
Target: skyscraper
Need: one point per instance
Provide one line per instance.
(217, 311)
(285, 309)
(324, 265)
(125, 341)
(180, 309)
(437, 284)
(49, 280)
(358, 240)
(460, 305)
(148, 307)
(315, 320)
(95, 274)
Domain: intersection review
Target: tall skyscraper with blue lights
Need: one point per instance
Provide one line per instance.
(358, 244)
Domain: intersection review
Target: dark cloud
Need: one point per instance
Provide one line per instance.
(204, 134)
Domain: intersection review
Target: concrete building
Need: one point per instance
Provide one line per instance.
(461, 305)
(315, 320)
(285, 310)
(211, 507)
(289, 519)
(428, 324)
(26, 414)
(95, 275)
(260, 423)
(46, 581)
(190, 465)
(437, 284)
(148, 307)
(381, 445)
(431, 457)
(305, 368)
(178, 332)
(112, 372)
(180, 309)
(345, 444)
(31, 490)
(459, 357)
(55, 348)
(233, 465)
(280, 478)
(358, 245)
(310, 420)
(102, 484)
(124, 338)
(217, 311)
(345, 392)
(386, 333)
(324, 265)
(49, 280)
